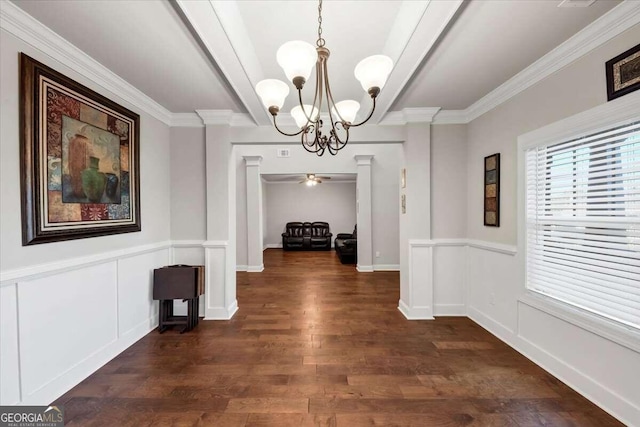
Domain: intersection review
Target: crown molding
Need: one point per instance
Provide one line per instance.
(186, 120)
(600, 31)
(242, 120)
(409, 115)
(213, 117)
(31, 31)
(450, 117)
(414, 33)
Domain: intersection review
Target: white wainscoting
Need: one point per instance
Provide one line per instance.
(60, 323)
(598, 368)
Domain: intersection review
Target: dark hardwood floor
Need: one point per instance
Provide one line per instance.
(317, 344)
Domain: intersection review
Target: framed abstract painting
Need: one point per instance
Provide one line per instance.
(492, 190)
(80, 161)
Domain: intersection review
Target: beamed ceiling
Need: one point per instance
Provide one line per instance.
(208, 55)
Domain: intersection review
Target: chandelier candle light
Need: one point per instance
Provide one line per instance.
(297, 59)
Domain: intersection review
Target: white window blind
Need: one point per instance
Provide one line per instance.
(583, 222)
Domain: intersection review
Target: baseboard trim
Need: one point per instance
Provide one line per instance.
(364, 268)
(443, 310)
(221, 313)
(273, 246)
(386, 267)
(491, 325)
(83, 369)
(255, 268)
(241, 268)
(595, 392)
(414, 313)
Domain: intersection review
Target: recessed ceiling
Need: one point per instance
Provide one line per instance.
(352, 30)
(489, 43)
(174, 52)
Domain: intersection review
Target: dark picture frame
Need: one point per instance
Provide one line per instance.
(492, 190)
(623, 73)
(79, 159)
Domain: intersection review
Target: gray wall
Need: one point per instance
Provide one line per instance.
(577, 87)
(100, 285)
(334, 203)
(449, 181)
(154, 173)
(188, 190)
(593, 364)
(385, 188)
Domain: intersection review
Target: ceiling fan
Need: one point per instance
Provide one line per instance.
(313, 179)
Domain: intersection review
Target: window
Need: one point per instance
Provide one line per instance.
(583, 222)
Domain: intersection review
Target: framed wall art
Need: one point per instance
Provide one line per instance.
(623, 73)
(492, 190)
(80, 162)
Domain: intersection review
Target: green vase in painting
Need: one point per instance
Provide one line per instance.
(93, 181)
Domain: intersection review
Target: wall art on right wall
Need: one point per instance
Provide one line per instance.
(623, 73)
(492, 190)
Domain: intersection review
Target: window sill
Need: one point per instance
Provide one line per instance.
(620, 334)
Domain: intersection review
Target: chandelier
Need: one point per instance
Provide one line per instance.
(297, 59)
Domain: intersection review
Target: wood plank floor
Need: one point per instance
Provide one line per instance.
(317, 344)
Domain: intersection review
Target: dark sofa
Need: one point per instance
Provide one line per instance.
(307, 236)
(346, 246)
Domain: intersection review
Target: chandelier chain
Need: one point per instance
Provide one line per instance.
(320, 42)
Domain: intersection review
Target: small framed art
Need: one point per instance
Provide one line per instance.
(623, 73)
(492, 190)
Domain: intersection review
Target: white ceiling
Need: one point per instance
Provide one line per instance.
(189, 55)
(348, 34)
(145, 43)
(490, 42)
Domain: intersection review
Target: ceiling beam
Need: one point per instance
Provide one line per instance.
(222, 32)
(418, 27)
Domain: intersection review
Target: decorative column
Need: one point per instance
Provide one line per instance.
(254, 214)
(220, 246)
(416, 251)
(363, 206)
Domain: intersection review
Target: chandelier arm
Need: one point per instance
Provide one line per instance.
(373, 108)
(304, 139)
(330, 101)
(309, 119)
(340, 144)
(285, 133)
(334, 131)
(319, 84)
(315, 98)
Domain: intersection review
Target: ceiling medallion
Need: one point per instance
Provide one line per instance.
(297, 59)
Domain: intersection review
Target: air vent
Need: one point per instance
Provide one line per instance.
(283, 152)
(576, 3)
